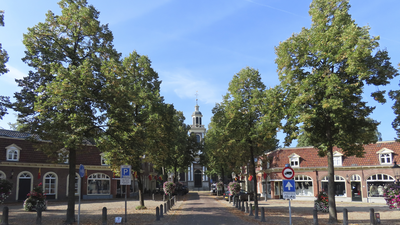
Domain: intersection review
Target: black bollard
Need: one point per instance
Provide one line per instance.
(371, 216)
(239, 205)
(4, 220)
(153, 196)
(233, 201)
(38, 216)
(161, 211)
(242, 205)
(315, 216)
(157, 213)
(256, 213)
(168, 206)
(345, 217)
(163, 198)
(104, 216)
(165, 208)
(230, 199)
(262, 215)
(247, 208)
(251, 210)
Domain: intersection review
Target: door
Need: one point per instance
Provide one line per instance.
(278, 189)
(356, 191)
(24, 187)
(197, 178)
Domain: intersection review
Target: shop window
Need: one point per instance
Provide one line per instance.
(376, 183)
(303, 185)
(98, 184)
(340, 185)
(13, 152)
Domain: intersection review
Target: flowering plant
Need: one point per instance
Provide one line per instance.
(391, 193)
(234, 187)
(169, 187)
(321, 204)
(220, 185)
(5, 189)
(36, 199)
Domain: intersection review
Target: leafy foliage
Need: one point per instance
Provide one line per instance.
(5, 189)
(321, 203)
(4, 100)
(169, 187)
(323, 71)
(234, 187)
(36, 199)
(392, 195)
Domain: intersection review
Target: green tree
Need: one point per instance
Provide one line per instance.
(132, 114)
(63, 99)
(323, 71)
(251, 122)
(4, 100)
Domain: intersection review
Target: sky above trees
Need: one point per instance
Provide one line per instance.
(200, 45)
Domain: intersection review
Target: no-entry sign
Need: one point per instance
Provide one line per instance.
(288, 173)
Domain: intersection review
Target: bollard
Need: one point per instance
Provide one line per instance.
(266, 198)
(4, 220)
(153, 196)
(371, 216)
(39, 216)
(230, 199)
(251, 210)
(248, 198)
(165, 208)
(247, 208)
(157, 213)
(168, 206)
(262, 215)
(256, 213)
(161, 211)
(104, 216)
(242, 205)
(233, 201)
(163, 198)
(315, 216)
(239, 206)
(345, 217)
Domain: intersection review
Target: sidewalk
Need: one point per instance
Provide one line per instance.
(277, 212)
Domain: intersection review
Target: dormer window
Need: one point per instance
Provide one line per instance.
(13, 152)
(294, 160)
(385, 156)
(337, 158)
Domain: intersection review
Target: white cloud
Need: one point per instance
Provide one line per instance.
(13, 74)
(185, 84)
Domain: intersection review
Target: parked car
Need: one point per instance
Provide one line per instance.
(180, 189)
(244, 195)
(226, 195)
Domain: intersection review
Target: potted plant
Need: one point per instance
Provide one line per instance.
(321, 204)
(391, 193)
(169, 187)
(5, 190)
(36, 199)
(234, 188)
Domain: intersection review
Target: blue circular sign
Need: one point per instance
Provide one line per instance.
(81, 170)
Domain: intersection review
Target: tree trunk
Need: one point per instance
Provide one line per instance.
(331, 187)
(140, 184)
(253, 172)
(71, 186)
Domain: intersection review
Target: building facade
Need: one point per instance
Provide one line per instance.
(356, 179)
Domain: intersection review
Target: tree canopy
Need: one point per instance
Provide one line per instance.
(4, 100)
(323, 71)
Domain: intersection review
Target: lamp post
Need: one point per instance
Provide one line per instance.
(396, 171)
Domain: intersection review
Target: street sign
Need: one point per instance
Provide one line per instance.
(288, 173)
(81, 170)
(288, 186)
(289, 189)
(125, 175)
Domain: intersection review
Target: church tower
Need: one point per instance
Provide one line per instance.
(197, 180)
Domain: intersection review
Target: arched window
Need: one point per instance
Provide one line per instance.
(2, 175)
(50, 185)
(376, 183)
(13, 152)
(340, 185)
(304, 185)
(98, 184)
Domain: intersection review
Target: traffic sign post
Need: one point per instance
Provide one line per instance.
(289, 189)
(81, 174)
(125, 180)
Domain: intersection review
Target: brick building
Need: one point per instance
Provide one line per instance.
(356, 179)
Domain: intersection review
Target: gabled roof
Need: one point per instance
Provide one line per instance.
(384, 150)
(13, 134)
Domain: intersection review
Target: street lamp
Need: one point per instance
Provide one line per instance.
(396, 171)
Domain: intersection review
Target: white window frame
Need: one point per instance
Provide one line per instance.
(386, 155)
(53, 177)
(337, 159)
(15, 150)
(294, 160)
(99, 176)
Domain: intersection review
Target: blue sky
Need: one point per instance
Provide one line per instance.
(200, 45)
